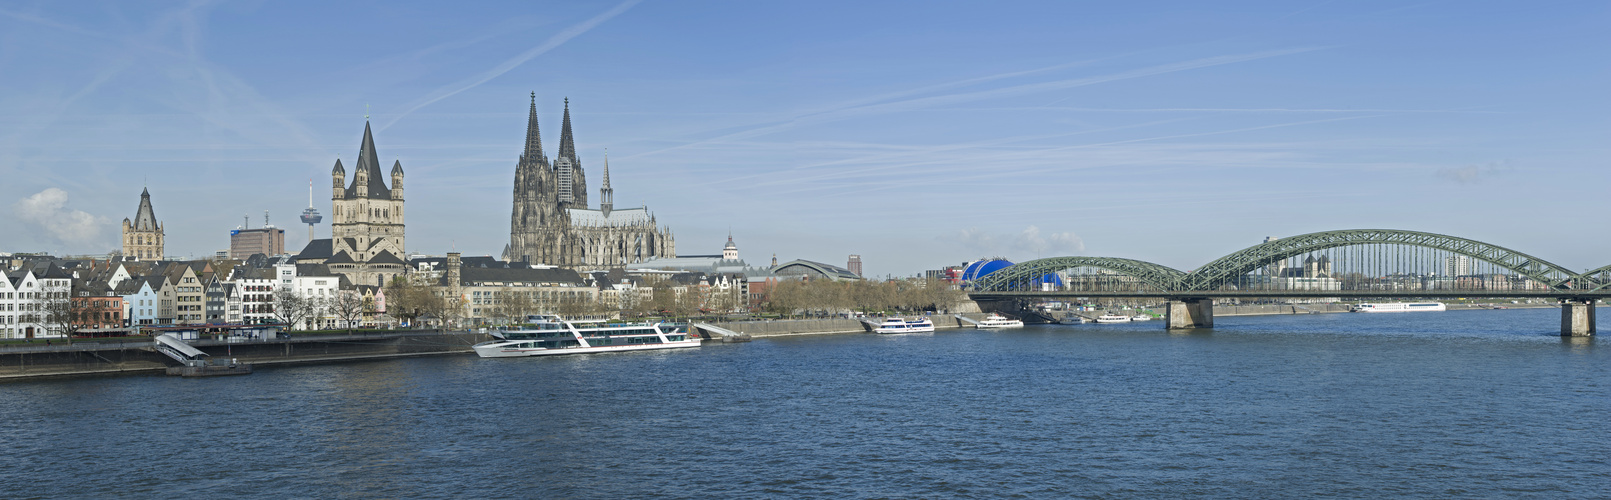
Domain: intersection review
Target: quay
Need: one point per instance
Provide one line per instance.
(141, 357)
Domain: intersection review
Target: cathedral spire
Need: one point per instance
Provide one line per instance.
(606, 195)
(534, 138)
(567, 145)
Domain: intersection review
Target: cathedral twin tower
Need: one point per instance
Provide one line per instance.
(551, 222)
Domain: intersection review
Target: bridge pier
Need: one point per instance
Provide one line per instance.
(1577, 317)
(1189, 313)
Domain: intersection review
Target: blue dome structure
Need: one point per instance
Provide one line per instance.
(982, 268)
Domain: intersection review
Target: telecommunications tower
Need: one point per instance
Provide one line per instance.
(310, 216)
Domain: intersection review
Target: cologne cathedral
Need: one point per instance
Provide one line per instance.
(552, 224)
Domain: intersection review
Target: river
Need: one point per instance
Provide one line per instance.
(1451, 404)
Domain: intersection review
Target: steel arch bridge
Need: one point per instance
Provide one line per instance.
(1228, 276)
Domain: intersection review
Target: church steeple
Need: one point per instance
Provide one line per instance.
(145, 219)
(368, 180)
(567, 145)
(606, 195)
(534, 137)
(568, 173)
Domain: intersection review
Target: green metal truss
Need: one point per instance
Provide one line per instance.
(1595, 280)
(1163, 278)
(1230, 267)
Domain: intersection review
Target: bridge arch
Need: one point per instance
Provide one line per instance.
(1596, 279)
(1227, 269)
(1019, 276)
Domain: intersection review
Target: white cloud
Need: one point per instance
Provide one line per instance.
(1029, 243)
(1474, 174)
(48, 210)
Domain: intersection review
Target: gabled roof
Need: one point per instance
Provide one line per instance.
(316, 249)
(129, 286)
(620, 217)
(313, 270)
(470, 275)
(340, 258)
(385, 257)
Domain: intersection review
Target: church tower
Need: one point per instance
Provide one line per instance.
(366, 233)
(142, 237)
(568, 167)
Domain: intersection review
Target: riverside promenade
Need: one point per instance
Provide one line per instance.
(138, 356)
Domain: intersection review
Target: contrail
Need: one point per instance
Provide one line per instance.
(842, 113)
(499, 70)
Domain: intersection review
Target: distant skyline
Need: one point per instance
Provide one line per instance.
(916, 135)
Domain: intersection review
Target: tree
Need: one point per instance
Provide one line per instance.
(514, 304)
(60, 311)
(291, 308)
(405, 300)
(349, 306)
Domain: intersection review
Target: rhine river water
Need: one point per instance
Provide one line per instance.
(1453, 404)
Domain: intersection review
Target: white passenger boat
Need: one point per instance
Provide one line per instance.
(1141, 317)
(902, 325)
(1394, 307)
(549, 335)
(1112, 318)
(998, 321)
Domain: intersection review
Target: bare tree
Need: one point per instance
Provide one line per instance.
(291, 308)
(349, 306)
(60, 311)
(513, 304)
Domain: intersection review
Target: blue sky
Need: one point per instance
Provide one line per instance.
(917, 134)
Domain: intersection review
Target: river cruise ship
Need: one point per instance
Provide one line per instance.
(902, 325)
(548, 335)
(1112, 318)
(998, 321)
(1398, 307)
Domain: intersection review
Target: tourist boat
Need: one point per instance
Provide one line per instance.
(1071, 319)
(1387, 307)
(998, 321)
(546, 335)
(1112, 318)
(1141, 317)
(901, 325)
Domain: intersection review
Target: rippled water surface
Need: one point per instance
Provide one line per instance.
(1455, 404)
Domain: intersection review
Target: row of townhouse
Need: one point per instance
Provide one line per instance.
(50, 297)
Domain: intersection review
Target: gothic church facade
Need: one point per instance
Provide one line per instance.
(552, 224)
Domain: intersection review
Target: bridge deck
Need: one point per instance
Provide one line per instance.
(1349, 294)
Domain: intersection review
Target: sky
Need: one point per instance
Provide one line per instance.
(915, 134)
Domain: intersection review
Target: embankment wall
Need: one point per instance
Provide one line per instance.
(91, 358)
(776, 328)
